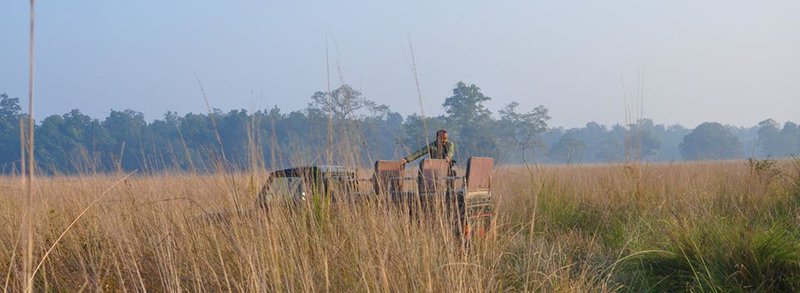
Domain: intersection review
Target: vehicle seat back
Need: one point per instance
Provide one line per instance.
(388, 177)
(431, 171)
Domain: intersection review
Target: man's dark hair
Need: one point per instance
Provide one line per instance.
(440, 132)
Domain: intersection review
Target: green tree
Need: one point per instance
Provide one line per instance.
(642, 140)
(9, 107)
(769, 137)
(343, 103)
(568, 149)
(670, 138)
(166, 142)
(595, 137)
(790, 136)
(523, 130)
(233, 128)
(465, 106)
(710, 141)
(127, 129)
(71, 142)
(471, 120)
(9, 132)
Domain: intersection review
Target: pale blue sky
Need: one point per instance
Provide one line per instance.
(734, 62)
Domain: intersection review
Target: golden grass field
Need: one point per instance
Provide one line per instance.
(709, 226)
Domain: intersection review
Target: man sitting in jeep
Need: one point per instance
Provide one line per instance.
(439, 149)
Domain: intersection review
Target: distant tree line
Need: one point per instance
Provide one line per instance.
(344, 127)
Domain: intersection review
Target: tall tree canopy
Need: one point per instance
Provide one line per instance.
(471, 121)
(710, 141)
(523, 130)
(9, 132)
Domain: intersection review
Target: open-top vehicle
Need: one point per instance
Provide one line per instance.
(466, 200)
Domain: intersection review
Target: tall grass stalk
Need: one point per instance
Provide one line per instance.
(213, 117)
(22, 143)
(419, 91)
(329, 148)
(29, 225)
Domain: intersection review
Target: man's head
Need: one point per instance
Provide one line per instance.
(441, 136)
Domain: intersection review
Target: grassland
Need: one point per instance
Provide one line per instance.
(721, 226)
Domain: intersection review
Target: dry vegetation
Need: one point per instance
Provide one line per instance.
(726, 226)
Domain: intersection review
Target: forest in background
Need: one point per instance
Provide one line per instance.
(344, 127)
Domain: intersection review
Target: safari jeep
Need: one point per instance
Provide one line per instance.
(466, 200)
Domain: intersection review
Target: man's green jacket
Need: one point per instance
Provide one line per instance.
(445, 152)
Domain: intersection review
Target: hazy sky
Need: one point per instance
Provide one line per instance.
(735, 62)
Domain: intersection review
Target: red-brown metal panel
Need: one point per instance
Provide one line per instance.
(388, 176)
(479, 173)
(432, 170)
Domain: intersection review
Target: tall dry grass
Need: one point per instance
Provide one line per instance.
(695, 226)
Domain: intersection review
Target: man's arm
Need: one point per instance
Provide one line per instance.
(451, 151)
(419, 153)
